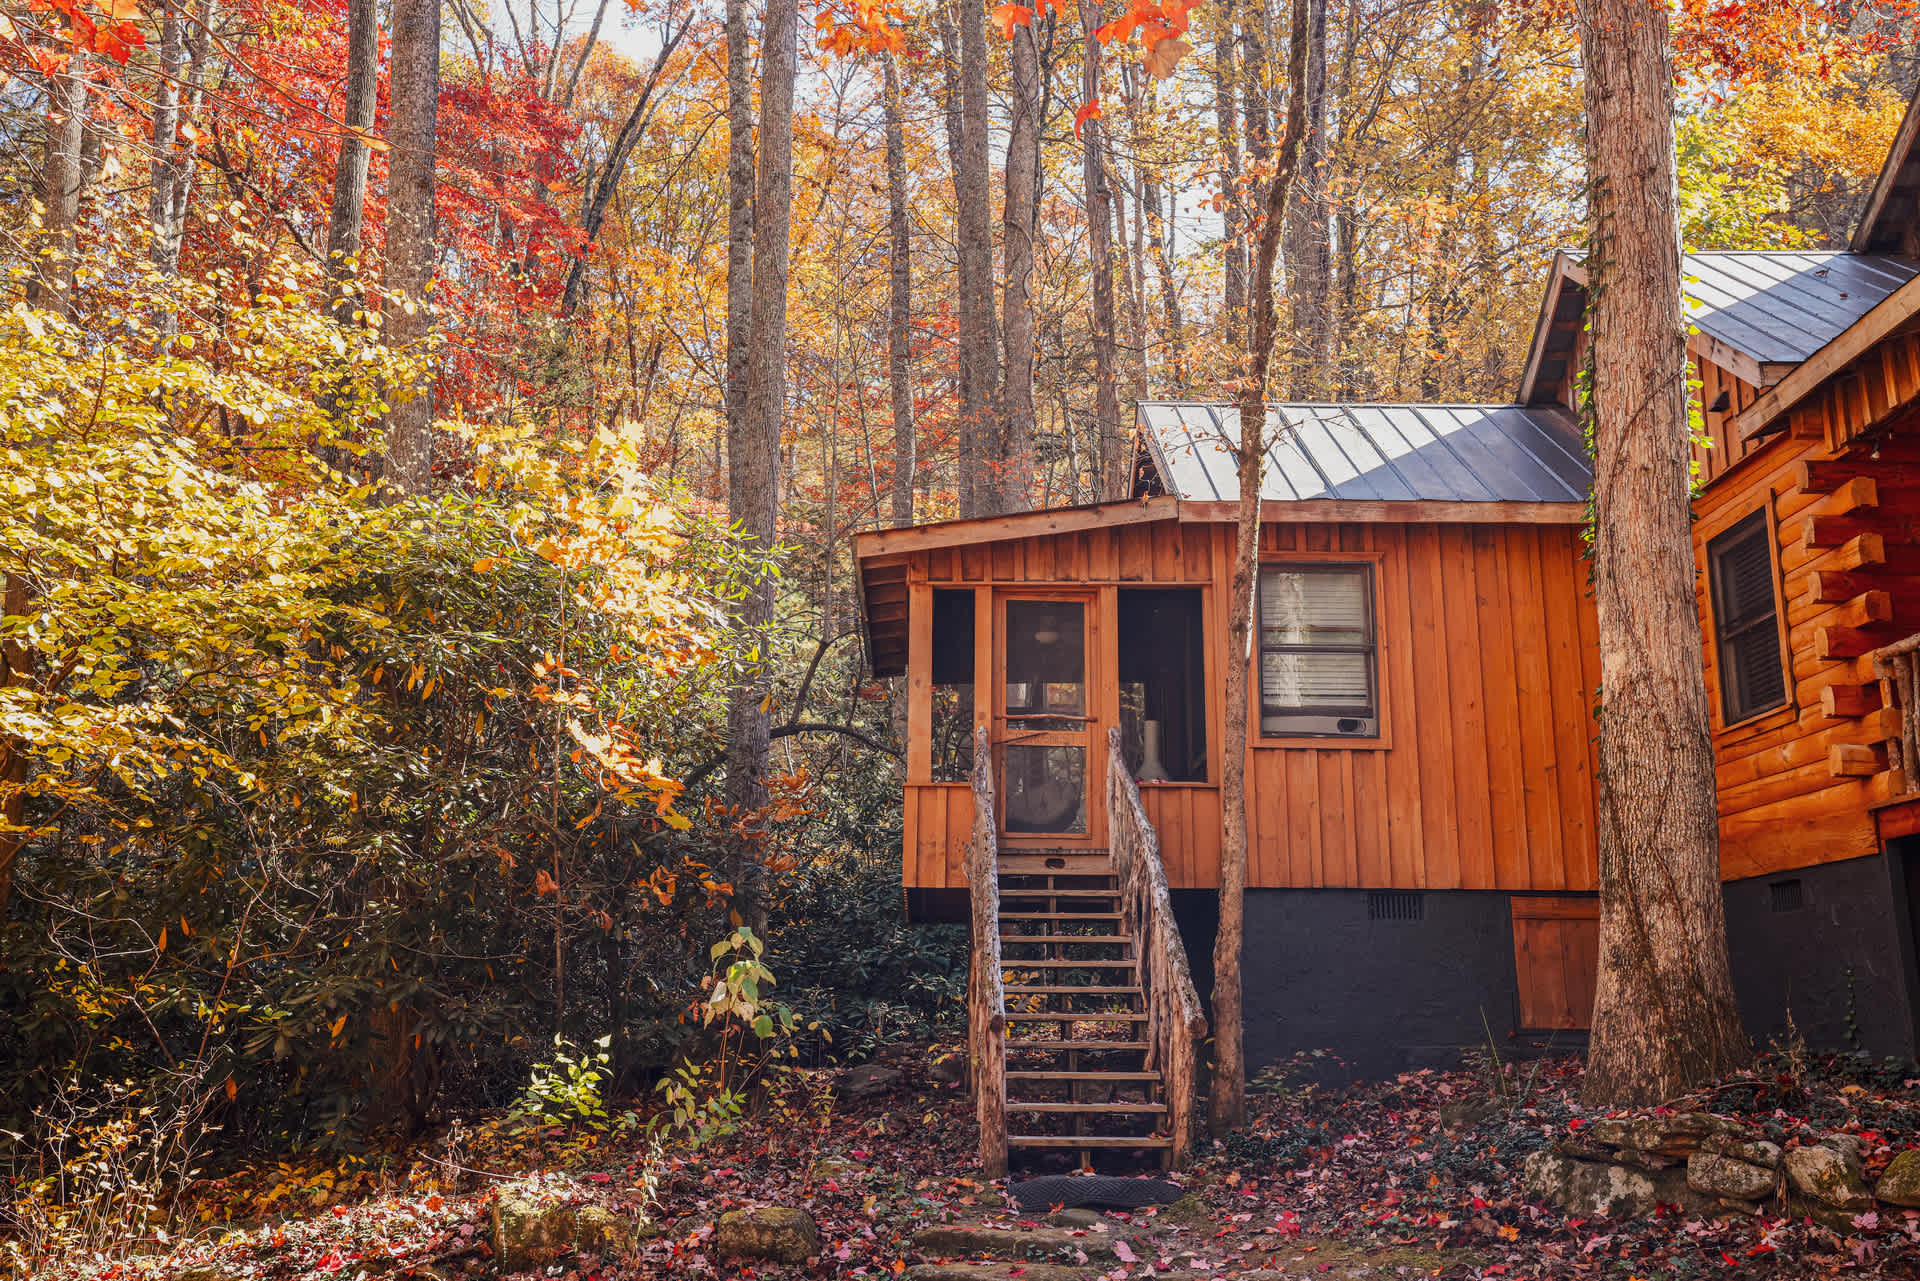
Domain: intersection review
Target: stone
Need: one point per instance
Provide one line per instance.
(1074, 1219)
(1729, 1178)
(1679, 1135)
(1900, 1182)
(1596, 1189)
(948, 1067)
(1611, 1132)
(870, 1080)
(777, 1232)
(1752, 1151)
(1043, 1245)
(1829, 1176)
(836, 1167)
(1002, 1271)
(1845, 1144)
(1467, 1114)
(531, 1230)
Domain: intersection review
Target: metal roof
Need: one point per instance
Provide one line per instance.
(1387, 453)
(1779, 308)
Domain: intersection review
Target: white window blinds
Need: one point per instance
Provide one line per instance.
(1317, 646)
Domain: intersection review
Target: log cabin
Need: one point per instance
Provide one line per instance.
(1420, 761)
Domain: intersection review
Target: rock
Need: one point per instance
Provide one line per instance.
(530, 1229)
(1829, 1176)
(996, 1272)
(1752, 1151)
(948, 1067)
(1610, 1131)
(1845, 1144)
(1044, 1245)
(1466, 1115)
(870, 1080)
(1590, 1189)
(1900, 1183)
(1679, 1135)
(777, 1232)
(836, 1167)
(1729, 1178)
(1073, 1219)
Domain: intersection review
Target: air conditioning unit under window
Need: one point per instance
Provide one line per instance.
(1318, 725)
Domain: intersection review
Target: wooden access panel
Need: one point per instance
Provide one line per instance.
(1556, 953)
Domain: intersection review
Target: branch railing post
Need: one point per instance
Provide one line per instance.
(986, 997)
(1900, 664)
(1176, 1021)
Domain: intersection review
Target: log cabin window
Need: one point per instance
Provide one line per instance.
(1746, 620)
(952, 721)
(1319, 673)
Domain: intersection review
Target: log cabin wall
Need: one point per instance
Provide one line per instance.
(1482, 777)
(1800, 785)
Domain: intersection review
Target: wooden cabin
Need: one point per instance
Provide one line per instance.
(1421, 765)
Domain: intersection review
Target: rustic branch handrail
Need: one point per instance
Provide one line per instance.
(986, 997)
(1900, 663)
(1176, 1021)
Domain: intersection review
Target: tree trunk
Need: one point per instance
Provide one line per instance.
(18, 665)
(1228, 1099)
(1233, 243)
(62, 174)
(968, 427)
(980, 486)
(1309, 253)
(1014, 463)
(1664, 1016)
(752, 479)
(407, 316)
(347, 219)
(900, 298)
(1172, 331)
(1115, 476)
(168, 171)
(739, 217)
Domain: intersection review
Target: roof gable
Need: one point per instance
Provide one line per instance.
(1377, 453)
(1890, 223)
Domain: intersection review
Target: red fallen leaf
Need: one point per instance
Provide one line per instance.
(332, 1263)
(340, 1212)
(600, 1177)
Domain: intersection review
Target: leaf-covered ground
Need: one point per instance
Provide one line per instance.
(1321, 1173)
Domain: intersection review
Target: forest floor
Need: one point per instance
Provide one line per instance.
(1361, 1181)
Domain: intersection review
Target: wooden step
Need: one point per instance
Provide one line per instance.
(1088, 1141)
(1055, 865)
(1106, 1017)
(1048, 990)
(1087, 1109)
(1089, 1047)
(1059, 916)
(1102, 939)
(1007, 892)
(1091, 1074)
(1054, 963)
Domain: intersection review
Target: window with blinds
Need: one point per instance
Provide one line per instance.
(1317, 651)
(1745, 619)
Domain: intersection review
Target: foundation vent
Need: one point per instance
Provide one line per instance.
(1396, 905)
(1786, 896)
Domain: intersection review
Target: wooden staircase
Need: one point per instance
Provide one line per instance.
(1076, 1016)
(1084, 1026)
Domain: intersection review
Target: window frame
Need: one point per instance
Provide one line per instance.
(1370, 567)
(1714, 549)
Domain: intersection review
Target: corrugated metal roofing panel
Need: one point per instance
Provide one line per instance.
(1782, 307)
(1388, 453)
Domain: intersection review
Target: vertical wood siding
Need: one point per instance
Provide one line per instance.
(1484, 775)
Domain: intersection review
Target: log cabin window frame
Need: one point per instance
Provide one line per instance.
(1369, 565)
(1758, 522)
